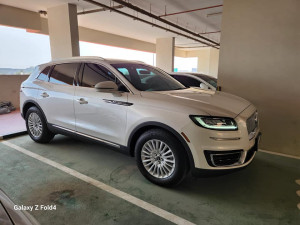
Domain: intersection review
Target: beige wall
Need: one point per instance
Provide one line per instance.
(214, 62)
(260, 61)
(26, 19)
(33, 22)
(12, 93)
(208, 60)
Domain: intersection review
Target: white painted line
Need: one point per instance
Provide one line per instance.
(298, 193)
(280, 154)
(297, 181)
(127, 197)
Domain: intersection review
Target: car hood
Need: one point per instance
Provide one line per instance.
(214, 103)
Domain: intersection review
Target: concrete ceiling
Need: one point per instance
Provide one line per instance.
(112, 22)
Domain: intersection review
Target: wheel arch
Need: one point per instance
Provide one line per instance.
(140, 129)
(29, 103)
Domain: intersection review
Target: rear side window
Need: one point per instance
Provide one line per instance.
(44, 74)
(187, 81)
(64, 73)
(94, 73)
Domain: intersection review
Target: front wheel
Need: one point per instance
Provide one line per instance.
(161, 158)
(37, 126)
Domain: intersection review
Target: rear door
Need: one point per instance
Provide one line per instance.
(100, 115)
(57, 95)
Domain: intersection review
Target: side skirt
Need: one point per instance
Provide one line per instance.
(84, 137)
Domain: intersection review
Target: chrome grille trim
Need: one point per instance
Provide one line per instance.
(252, 125)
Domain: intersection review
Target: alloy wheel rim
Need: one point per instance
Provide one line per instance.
(158, 158)
(35, 125)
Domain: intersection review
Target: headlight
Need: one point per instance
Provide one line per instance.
(215, 123)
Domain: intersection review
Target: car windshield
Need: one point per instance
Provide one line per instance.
(147, 78)
(211, 80)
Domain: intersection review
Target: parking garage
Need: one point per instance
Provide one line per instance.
(251, 47)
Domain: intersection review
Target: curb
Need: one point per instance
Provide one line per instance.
(7, 136)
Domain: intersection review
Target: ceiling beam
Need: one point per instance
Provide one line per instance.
(192, 10)
(213, 32)
(152, 24)
(99, 10)
(140, 10)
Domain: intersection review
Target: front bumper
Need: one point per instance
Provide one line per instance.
(215, 172)
(218, 150)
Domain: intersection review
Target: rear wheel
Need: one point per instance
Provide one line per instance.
(161, 158)
(37, 126)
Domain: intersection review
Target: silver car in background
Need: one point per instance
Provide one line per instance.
(196, 80)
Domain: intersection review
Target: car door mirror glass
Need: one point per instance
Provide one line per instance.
(106, 86)
(203, 86)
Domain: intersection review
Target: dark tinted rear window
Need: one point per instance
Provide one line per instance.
(64, 73)
(44, 74)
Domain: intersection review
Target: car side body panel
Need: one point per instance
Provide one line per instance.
(118, 117)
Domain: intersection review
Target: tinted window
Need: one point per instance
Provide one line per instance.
(211, 80)
(94, 73)
(64, 73)
(147, 78)
(44, 74)
(187, 81)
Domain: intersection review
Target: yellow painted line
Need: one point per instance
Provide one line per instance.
(298, 193)
(298, 205)
(127, 197)
(297, 181)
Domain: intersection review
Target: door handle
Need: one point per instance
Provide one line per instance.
(82, 101)
(44, 95)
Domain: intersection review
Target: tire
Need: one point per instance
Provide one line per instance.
(147, 150)
(37, 126)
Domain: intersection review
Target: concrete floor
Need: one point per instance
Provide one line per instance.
(11, 123)
(264, 193)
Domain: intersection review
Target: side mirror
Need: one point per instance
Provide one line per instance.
(106, 86)
(204, 86)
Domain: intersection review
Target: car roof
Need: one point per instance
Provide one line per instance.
(89, 58)
(192, 73)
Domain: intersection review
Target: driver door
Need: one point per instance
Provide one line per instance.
(99, 114)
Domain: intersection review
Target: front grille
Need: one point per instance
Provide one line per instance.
(252, 122)
(223, 158)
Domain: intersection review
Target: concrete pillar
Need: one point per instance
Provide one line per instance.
(63, 31)
(165, 53)
(259, 61)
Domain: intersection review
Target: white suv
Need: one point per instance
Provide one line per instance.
(137, 108)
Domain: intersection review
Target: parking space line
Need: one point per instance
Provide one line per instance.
(298, 192)
(279, 154)
(127, 197)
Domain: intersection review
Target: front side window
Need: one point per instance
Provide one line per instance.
(147, 78)
(44, 74)
(94, 73)
(64, 73)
